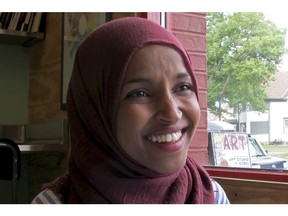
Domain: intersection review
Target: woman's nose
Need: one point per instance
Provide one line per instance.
(168, 110)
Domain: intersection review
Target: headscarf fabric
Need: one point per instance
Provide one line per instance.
(100, 171)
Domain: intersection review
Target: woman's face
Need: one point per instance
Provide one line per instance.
(158, 110)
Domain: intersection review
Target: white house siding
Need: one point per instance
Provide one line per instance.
(252, 116)
(278, 111)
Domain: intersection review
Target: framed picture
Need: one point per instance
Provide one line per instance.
(76, 27)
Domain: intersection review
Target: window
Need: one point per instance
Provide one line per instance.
(232, 53)
(261, 127)
(231, 67)
(285, 121)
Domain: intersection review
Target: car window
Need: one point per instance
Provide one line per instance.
(256, 150)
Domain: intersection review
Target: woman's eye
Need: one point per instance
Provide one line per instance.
(137, 94)
(184, 87)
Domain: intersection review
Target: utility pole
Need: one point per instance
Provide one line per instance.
(219, 107)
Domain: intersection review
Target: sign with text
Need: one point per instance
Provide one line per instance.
(231, 149)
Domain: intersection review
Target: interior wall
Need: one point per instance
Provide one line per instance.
(14, 70)
(44, 101)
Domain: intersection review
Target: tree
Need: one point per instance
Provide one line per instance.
(243, 50)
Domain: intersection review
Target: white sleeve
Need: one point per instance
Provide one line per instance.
(219, 194)
(47, 197)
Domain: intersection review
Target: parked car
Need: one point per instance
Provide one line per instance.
(227, 147)
(261, 159)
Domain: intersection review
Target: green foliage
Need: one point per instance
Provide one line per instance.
(243, 52)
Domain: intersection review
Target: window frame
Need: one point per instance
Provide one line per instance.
(248, 173)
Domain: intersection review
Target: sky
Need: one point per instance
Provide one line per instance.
(281, 20)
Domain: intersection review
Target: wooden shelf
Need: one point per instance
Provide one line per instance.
(25, 39)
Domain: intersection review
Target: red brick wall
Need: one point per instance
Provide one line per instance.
(190, 29)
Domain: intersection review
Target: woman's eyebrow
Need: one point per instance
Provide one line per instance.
(147, 80)
(183, 74)
(139, 79)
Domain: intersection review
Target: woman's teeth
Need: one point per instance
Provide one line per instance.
(166, 137)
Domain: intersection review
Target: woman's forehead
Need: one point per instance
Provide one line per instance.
(156, 59)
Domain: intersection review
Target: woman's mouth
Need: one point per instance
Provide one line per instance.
(170, 142)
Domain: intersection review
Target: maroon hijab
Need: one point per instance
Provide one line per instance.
(99, 170)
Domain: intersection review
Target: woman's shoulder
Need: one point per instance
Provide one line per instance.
(47, 196)
(220, 196)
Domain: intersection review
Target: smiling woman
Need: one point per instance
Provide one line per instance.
(133, 109)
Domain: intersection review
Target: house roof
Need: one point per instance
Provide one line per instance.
(278, 88)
